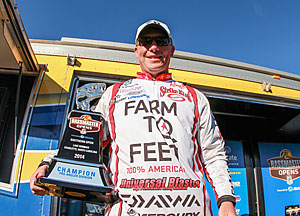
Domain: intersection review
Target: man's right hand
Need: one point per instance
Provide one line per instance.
(40, 172)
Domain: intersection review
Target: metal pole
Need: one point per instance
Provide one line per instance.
(17, 106)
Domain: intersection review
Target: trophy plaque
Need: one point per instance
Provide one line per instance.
(77, 171)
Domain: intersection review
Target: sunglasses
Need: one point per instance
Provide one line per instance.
(160, 41)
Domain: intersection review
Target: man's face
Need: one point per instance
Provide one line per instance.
(154, 59)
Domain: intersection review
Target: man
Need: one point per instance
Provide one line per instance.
(164, 138)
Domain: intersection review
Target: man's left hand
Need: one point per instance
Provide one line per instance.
(227, 209)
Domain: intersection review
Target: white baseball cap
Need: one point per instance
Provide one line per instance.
(153, 24)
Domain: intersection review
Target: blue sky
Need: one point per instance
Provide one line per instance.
(260, 32)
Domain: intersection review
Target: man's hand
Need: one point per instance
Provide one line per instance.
(40, 172)
(227, 209)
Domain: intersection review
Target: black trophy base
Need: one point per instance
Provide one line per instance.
(77, 191)
(78, 180)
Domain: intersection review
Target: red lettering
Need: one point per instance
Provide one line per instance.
(168, 169)
(156, 168)
(158, 183)
(171, 182)
(181, 183)
(141, 183)
(152, 183)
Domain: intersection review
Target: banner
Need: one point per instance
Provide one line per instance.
(280, 164)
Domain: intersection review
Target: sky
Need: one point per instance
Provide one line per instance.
(259, 32)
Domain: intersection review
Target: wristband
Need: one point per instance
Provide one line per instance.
(44, 163)
(226, 198)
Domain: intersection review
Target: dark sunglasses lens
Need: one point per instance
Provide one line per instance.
(158, 41)
(145, 41)
(162, 41)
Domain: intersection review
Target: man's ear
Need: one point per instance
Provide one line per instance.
(172, 50)
(135, 50)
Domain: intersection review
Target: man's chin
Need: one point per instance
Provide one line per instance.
(156, 67)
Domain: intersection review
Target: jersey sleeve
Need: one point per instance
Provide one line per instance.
(104, 102)
(102, 107)
(48, 159)
(213, 156)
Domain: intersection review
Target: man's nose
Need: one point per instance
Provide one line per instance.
(153, 46)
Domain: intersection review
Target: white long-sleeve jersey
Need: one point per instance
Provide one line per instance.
(164, 138)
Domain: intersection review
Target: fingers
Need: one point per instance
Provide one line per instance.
(35, 189)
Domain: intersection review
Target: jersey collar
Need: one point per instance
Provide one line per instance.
(161, 77)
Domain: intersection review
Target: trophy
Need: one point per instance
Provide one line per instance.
(77, 171)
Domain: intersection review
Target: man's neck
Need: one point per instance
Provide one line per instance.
(165, 76)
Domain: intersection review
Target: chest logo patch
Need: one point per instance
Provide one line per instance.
(175, 94)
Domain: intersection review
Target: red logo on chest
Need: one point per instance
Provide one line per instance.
(174, 94)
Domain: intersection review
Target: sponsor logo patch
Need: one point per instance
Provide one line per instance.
(161, 201)
(175, 94)
(285, 167)
(171, 183)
